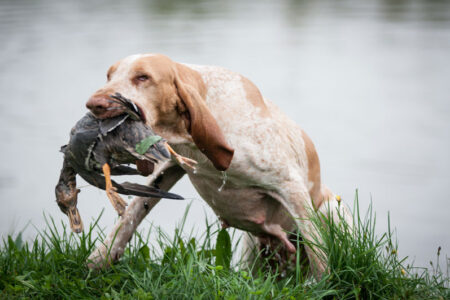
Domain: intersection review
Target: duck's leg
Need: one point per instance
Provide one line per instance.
(181, 159)
(117, 202)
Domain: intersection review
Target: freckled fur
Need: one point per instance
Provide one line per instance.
(274, 173)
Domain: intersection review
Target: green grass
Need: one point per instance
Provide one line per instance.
(361, 266)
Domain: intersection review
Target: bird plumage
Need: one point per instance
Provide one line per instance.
(96, 143)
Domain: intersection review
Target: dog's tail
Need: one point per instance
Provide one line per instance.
(333, 205)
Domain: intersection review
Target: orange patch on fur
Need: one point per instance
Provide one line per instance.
(254, 96)
(313, 170)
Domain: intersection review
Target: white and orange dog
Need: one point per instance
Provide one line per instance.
(220, 119)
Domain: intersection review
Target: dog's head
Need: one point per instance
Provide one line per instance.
(171, 97)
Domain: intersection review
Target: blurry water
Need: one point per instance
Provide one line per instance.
(369, 82)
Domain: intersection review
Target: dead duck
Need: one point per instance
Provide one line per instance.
(98, 149)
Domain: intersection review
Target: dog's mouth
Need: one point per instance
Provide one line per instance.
(127, 106)
(141, 113)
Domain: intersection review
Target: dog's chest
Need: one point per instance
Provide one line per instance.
(238, 202)
(238, 205)
(239, 196)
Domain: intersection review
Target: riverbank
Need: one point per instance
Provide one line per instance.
(361, 266)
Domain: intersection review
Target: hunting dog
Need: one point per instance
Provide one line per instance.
(220, 119)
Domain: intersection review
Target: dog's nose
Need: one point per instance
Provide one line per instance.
(98, 105)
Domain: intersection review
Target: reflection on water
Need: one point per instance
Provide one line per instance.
(367, 80)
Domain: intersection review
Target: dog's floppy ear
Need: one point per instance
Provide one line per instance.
(199, 121)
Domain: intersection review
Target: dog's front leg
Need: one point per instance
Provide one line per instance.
(112, 248)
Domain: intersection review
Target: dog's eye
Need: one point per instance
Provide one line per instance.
(142, 78)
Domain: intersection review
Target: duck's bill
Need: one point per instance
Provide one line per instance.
(128, 188)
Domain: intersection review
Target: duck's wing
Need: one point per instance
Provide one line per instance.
(152, 154)
(128, 188)
(143, 143)
(124, 170)
(108, 125)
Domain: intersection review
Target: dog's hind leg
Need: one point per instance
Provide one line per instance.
(295, 198)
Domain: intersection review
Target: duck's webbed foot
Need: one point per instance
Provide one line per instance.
(181, 159)
(67, 197)
(117, 202)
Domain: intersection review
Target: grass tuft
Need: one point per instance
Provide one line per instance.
(361, 266)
